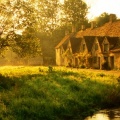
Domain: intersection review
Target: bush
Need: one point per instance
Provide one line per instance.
(105, 66)
(82, 66)
(6, 82)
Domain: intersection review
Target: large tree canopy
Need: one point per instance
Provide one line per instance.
(75, 12)
(102, 19)
(24, 21)
(17, 18)
(48, 15)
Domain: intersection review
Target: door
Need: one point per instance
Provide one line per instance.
(98, 62)
(76, 62)
(112, 62)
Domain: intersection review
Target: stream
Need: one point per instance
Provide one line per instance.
(110, 114)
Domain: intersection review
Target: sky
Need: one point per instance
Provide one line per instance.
(97, 7)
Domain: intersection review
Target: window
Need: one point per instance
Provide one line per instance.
(106, 59)
(61, 52)
(96, 46)
(106, 47)
(95, 59)
(83, 47)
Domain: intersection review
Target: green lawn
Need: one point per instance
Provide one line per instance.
(42, 93)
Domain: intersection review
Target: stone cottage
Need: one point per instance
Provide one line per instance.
(94, 47)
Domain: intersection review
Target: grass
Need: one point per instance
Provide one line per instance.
(37, 93)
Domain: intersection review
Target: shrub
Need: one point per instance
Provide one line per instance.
(50, 69)
(101, 74)
(6, 82)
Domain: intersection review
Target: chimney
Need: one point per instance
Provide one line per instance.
(93, 24)
(73, 28)
(82, 27)
(66, 32)
(113, 17)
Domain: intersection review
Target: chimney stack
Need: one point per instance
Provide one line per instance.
(66, 32)
(93, 24)
(113, 17)
(73, 28)
(82, 27)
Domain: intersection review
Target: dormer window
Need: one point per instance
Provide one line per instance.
(106, 47)
(96, 46)
(61, 52)
(83, 47)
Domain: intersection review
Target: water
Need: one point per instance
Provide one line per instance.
(113, 114)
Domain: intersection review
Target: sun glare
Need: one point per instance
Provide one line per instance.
(62, 1)
(97, 7)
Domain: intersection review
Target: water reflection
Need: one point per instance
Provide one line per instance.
(113, 114)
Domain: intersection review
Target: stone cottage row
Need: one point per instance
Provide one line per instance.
(94, 47)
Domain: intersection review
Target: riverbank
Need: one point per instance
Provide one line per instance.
(106, 114)
(55, 93)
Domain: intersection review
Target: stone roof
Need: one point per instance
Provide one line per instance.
(89, 42)
(67, 37)
(113, 42)
(111, 29)
(115, 50)
(75, 44)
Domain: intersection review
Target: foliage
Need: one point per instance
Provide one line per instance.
(19, 24)
(28, 44)
(62, 94)
(23, 22)
(6, 82)
(48, 15)
(105, 66)
(50, 69)
(102, 19)
(48, 43)
(67, 54)
(75, 12)
(16, 16)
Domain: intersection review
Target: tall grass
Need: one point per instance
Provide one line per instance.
(34, 93)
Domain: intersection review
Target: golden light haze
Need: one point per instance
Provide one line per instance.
(97, 7)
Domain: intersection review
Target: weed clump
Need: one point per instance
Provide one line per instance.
(118, 79)
(101, 74)
(6, 82)
(50, 69)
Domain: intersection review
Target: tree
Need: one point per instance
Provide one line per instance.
(102, 19)
(19, 24)
(24, 22)
(48, 15)
(75, 12)
(27, 45)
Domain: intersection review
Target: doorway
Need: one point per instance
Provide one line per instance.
(112, 62)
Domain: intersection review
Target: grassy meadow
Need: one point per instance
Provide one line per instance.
(46, 93)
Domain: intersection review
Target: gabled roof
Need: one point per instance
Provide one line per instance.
(75, 44)
(113, 42)
(65, 45)
(116, 50)
(114, 31)
(100, 40)
(62, 41)
(89, 42)
(67, 37)
(111, 29)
